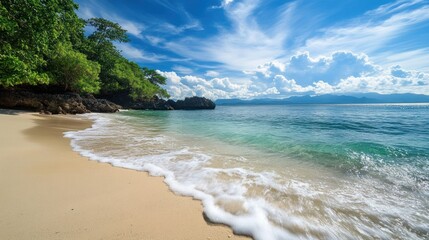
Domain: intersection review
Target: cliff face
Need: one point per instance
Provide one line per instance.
(67, 103)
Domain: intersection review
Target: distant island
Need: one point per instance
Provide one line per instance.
(358, 98)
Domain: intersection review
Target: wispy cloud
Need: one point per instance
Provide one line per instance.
(223, 4)
(182, 69)
(411, 59)
(370, 33)
(137, 54)
(177, 29)
(92, 9)
(393, 7)
(242, 47)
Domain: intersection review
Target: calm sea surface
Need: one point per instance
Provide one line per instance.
(283, 172)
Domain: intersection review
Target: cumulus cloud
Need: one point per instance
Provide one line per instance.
(268, 69)
(289, 85)
(394, 80)
(331, 69)
(214, 88)
(338, 73)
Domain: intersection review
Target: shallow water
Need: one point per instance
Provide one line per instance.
(283, 172)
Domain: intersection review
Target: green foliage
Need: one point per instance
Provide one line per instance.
(73, 71)
(99, 47)
(129, 76)
(27, 31)
(106, 31)
(43, 42)
(153, 76)
(117, 73)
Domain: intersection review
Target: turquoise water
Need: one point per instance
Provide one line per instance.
(283, 172)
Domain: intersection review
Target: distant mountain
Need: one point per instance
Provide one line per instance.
(332, 99)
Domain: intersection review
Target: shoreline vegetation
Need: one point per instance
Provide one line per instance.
(48, 57)
(51, 192)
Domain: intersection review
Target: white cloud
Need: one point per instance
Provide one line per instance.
(271, 91)
(289, 85)
(172, 77)
(307, 70)
(193, 24)
(370, 32)
(223, 4)
(393, 80)
(242, 47)
(134, 53)
(227, 2)
(211, 73)
(153, 40)
(268, 69)
(215, 88)
(414, 59)
(224, 84)
(139, 55)
(338, 73)
(92, 9)
(393, 7)
(182, 69)
(132, 28)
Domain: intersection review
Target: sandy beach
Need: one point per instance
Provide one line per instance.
(47, 191)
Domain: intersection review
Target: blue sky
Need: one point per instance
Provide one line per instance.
(276, 48)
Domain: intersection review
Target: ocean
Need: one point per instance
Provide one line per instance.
(283, 172)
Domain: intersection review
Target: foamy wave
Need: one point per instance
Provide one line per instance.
(260, 203)
(191, 176)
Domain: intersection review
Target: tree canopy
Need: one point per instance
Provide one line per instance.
(42, 42)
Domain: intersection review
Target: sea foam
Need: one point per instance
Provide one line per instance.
(265, 204)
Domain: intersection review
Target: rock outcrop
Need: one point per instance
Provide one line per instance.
(67, 103)
(73, 103)
(192, 103)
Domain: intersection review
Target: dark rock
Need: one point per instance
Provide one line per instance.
(193, 103)
(46, 103)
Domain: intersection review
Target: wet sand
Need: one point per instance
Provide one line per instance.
(47, 191)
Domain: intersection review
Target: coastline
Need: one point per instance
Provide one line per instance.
(49, 191)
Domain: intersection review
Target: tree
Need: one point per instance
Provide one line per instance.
(153, 76)
(73, 71)
(28, 29)
(43, 42)
(106, 31)
(130, 77)
(117, 73)
(99, 47)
